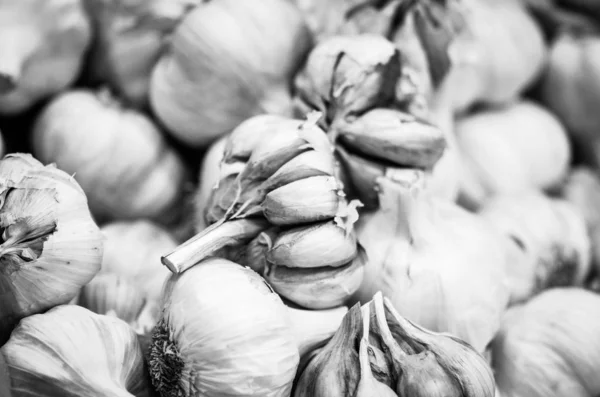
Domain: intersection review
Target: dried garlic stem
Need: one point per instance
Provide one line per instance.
(217, 236)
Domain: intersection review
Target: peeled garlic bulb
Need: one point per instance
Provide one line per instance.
(377, 352)
(70, 351)
(502, 149)
(120, 183)
(43, 43)
(547, 241)
(228, 61)
(50, 247)
(548, 347)
(421, 250)
(225, 332)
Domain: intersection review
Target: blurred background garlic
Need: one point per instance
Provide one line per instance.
(422, 250)
(228, 61)
(50, 246)
(378, 352)
(546, 240)
(131, 278)
(224, 331)
(70, 351)
(279, 194)
(43, 43)
(547, 347)
(127, 27)
(511, 149)
(496, 56)
(91, 135)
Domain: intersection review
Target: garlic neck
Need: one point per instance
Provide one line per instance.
(18, 43)
(310, 328)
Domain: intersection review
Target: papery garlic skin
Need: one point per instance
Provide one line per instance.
(50, 239)
(43, 43)
(421, 250)
(224, 332)
(120, 183)
(70, 351)
(548, 347)
(228, 61)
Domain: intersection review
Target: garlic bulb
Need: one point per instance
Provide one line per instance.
(546, 348)
(70, 351)
(421, 250)
(501, 148)
(228, 60)
(120, 183)
(582, 189)
(50, 247)
(225, 332)
(377, 352)
(574, 63)
(42, 43)
(123, 28)
(279, 194)
(491, 62)
(546, 239)
(131, 278)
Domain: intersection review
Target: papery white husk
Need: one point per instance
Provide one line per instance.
(230, 331)
(441, 266)
(550, 347)
(70, 351)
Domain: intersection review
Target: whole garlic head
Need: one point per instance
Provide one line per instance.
(50, 245)
(70, 351)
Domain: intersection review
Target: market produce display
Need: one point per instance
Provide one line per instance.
(299, 198)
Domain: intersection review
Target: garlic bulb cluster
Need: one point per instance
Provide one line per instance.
(502, 152)
(70, 351)
(353, 81)
(131, 278)
(582, 189)
(228, 61)
(120, 183)
(547, 347)
(50, 245)
(225, 332)
(43, 43)
(377, 352)
(546, 240)
(422, 250)
(128, 27)
(279, 194)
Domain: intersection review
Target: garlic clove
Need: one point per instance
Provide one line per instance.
(70, 351)
(362, 174)
(322, 244)
(317, 288)
(307, 200)
(244, 139)
(394, 136)
(304, 165)
(257, 249)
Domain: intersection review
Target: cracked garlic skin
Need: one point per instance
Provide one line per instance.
(120, 183)
(50, 246)
(376, 352)
(228, 61)
(43, 43)
(549, 346)
(70, 351)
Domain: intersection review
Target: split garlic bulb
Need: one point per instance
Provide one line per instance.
(546, 240)
(224, 332)
(131, 278)
(228, 61)
(421, 250)
(502, 150)
(43, 43)
(70, 351)
(547, 347)
(121, 183)
(50, 247)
